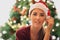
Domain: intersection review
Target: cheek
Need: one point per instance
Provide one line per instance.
(42, 19)
(32, 18)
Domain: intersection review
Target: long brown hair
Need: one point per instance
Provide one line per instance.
(41, 34)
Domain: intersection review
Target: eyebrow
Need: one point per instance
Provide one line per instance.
(41, 13)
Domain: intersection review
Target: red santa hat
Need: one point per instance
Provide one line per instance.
(40, 5)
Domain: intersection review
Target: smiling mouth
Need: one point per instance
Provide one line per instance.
(37, 22)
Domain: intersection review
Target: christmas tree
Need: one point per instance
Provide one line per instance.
(19, 18)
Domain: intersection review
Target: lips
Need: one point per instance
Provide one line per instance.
(37, 22)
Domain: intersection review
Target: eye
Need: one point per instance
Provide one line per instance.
(41, 14)
(35, 13)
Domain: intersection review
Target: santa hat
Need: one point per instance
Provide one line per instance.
(40, 5)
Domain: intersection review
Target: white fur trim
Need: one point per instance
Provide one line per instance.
(40, 6)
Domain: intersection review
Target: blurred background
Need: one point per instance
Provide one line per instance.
(14, 15)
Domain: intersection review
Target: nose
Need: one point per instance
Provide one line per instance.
(37, 17)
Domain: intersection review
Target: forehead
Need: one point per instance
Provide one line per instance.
(37, 10)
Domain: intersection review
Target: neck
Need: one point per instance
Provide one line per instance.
(35, 30)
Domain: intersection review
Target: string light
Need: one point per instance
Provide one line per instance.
(19, 6)
(22, 17)
(49, 2)
(30, 4)
(26, 24)
(53, 37)
(37, 0)
(24, 7)
(53, 30)
(23, 0)
(14, 26)
(10, 22)
(57, 24)
(4, 32)
(14, 21)
(19, 0)
(53, 6)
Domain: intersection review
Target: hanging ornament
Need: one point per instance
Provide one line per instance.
(14, 18)
(14, 8)
(17, 8)
(57, 24)
(23, 12)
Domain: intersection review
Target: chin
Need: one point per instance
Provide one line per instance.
(36, 25)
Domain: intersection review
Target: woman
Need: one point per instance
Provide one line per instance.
(37, 14)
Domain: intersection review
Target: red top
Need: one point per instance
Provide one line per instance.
(24, 34)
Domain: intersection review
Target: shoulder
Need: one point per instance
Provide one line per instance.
(22, 30)
(22, 33)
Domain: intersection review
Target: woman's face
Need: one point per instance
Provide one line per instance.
(37, 17)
